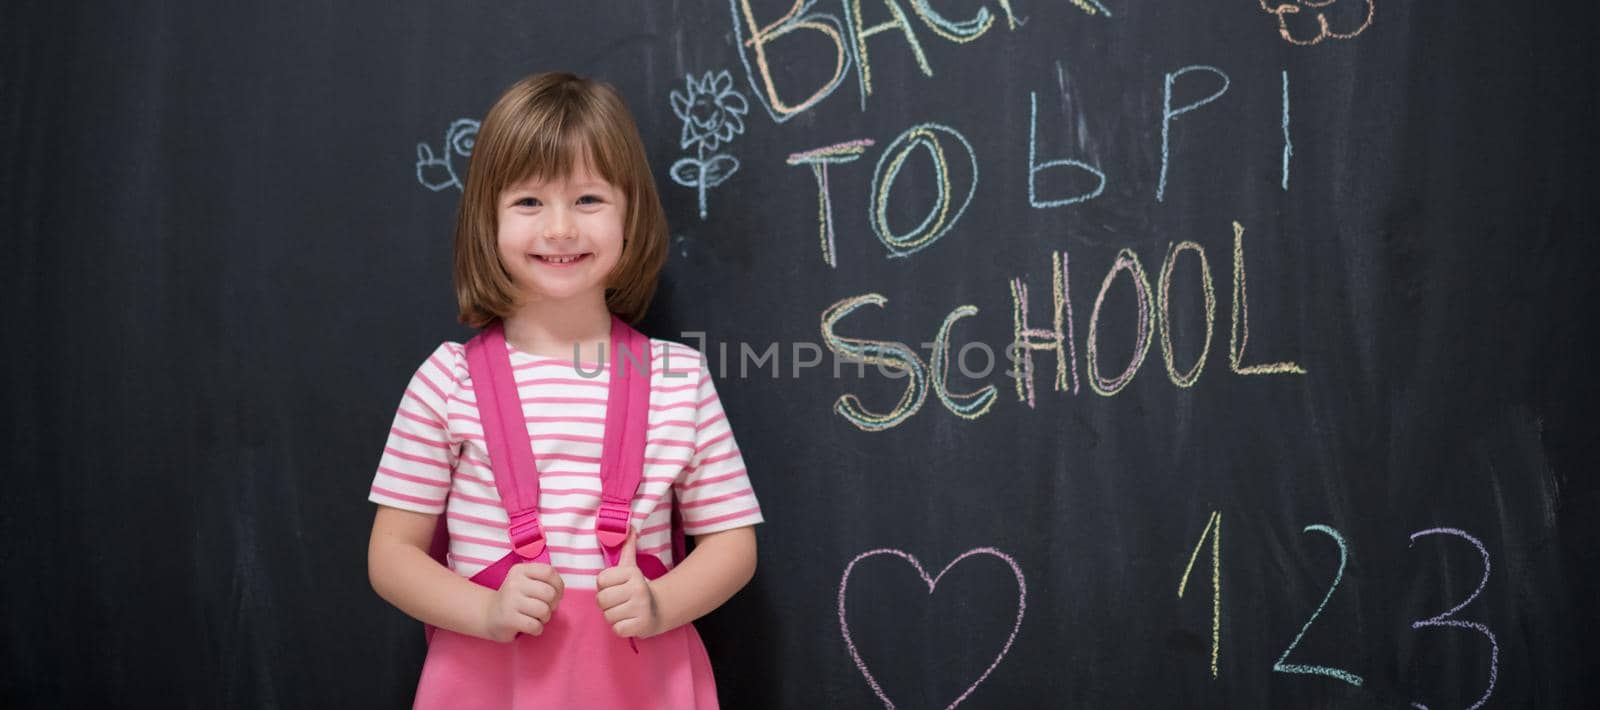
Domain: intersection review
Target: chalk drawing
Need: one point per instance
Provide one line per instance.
(712, 112)
(932, 582)
(439, 172)
(1315, 12)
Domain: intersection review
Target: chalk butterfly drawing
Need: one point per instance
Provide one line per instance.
(712, 113)
(438, 173)
(1312, 25)
(932, 582)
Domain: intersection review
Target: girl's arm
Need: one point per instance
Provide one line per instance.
(404, 575)
(720, 565)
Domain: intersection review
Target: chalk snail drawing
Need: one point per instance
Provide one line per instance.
(712, 112)
(439, 172)
(1313, 14)
(932, 582)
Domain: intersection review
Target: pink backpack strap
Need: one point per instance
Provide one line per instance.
(505, 429)
(622, 458)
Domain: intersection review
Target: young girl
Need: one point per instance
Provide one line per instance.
(559, 241)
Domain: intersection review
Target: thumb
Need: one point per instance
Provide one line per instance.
(628, 557)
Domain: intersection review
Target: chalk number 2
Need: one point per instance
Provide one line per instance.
(1281, 666)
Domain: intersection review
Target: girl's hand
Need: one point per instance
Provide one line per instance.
(524, 603)
(625, 595)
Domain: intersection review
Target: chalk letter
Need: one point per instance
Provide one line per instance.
(893, 354)
(1028, 339)
(1239, 333)
(955, 31)
(1167, 114)
(939, 219)
(1187, 379)
(1129, 261)
(1034, 167)
(827, 24)
(1288, 146)
(859, 33)
(818, 159)
(972, 404)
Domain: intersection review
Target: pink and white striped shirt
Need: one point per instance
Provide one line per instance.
(436, 446)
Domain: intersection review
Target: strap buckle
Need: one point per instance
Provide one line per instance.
(527, 537)
(612, 524)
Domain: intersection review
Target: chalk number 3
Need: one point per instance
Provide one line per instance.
(1446, 619)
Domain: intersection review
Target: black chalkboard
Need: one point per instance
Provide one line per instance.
(1343, 249)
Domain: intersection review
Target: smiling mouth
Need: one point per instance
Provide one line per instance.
(562, 260)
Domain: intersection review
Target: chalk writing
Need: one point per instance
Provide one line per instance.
(712, 112)
(859, 34)
(1446, 620)
(1034, 166)
(1168, 113)
(818, 159)
(439, 172)
(1128, 261)
(797, 18)
(939, 220)
(972, 404)
(1288, 146)
(1027, 339)
(1281, 666)
(1186, 379)
(894, 355)
(932, 582)
(1239, 329)
(1214, 530)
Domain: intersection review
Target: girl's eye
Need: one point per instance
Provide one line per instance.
(527, 202)
(594, 199)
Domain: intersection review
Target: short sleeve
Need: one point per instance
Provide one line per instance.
(419, 456)
(714, 493)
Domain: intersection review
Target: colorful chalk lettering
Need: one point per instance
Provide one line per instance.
(818, 159)
(939, 219)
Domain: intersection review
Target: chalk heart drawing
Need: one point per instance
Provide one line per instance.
(844, 626)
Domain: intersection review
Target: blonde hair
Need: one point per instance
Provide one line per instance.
(542, 127)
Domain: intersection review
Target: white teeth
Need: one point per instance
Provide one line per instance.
(561, 260)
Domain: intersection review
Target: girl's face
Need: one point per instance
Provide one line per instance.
(560, 238)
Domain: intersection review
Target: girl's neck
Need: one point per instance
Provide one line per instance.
(553, 329)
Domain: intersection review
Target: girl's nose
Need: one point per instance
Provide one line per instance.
(562, 226)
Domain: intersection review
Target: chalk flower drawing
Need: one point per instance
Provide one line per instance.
(438, 173)
(712, 113)
(1311, 23)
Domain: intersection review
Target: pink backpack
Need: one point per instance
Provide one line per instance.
(516, 477)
